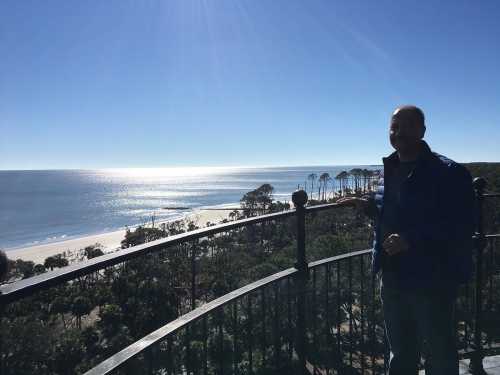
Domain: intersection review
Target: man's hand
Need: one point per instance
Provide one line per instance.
(356, 202)
(395, 244)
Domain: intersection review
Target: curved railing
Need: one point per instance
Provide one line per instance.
(321, 315)
(268, 311)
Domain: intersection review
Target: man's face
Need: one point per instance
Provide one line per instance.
(404, 133)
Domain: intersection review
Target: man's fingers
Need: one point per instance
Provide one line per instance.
(391, 247)
(392, 239)
(388, 241)
(394, 249)
(387, 247)
(394, 244)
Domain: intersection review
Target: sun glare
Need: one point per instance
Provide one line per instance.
(169, 172)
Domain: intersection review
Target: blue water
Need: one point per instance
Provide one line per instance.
(46, 206)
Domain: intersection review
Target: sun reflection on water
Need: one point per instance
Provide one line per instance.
(170, 171)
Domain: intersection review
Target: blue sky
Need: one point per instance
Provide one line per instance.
(97, 84)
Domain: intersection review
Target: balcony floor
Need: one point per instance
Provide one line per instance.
(490, 364)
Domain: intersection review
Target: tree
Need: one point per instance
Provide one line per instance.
(60, 305)
(68, 353)
(333, 180)
(39, 269)
(234, 215)
(24, 268)
(343, 178)
(55, 261)
(93, 251)
(81, 306)
(365, 174)
(312, 177)
(257, 201)
(357, 174)
(368, 176)
(324, 178)
(142, 235)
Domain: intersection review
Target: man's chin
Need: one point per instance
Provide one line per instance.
(400, 147)
(397, 147)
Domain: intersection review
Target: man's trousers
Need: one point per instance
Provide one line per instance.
(414, 317)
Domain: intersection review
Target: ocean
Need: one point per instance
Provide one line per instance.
(39, 207)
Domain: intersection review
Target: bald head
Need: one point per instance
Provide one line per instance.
(407, 128)
(411, 113)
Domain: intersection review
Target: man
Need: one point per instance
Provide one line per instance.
(423, 210)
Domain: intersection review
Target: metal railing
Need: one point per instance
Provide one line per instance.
(268, 313)
(482, 241)
(316, 317)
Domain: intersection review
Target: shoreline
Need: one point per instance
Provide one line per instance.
(109, 241)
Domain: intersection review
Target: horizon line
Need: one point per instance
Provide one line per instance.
(213, 167)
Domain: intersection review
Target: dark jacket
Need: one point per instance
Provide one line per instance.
(435, 215)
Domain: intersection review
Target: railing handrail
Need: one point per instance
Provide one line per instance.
(336, 258)
(22, 288)
(134, 349)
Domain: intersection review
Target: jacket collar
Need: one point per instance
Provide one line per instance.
(425, 155)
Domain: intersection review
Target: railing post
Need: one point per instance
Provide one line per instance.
(4, 269)
(193, 275)
(299, 199)
(2, 363)
(476, 363)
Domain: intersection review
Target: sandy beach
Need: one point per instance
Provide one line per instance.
(109, 241)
